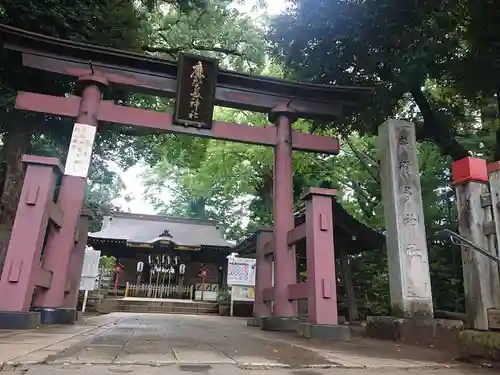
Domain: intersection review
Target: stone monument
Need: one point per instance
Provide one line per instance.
(409, 277)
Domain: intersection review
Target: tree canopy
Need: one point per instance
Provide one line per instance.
(416, 56)
(399, 48)
(150, 26)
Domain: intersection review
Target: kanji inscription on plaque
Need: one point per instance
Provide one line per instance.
(80, 150)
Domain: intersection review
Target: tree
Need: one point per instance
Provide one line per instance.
(413, 54)
(215, 29)
(214, 176)
(476, 74)
(113, 23)
(219, 31)
(182, 25)
(390, 45)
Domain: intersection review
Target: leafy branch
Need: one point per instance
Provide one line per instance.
(176, 50)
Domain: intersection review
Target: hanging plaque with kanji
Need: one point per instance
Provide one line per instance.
(196, 84)
(80, 150)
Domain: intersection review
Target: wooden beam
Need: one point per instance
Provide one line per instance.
(268, 294)
(76, 236)
(296, 234)
(154, 83)
(43, 278)
(143, 118)
(297, 291)
(269, 248)
(56, 214)
(67, 287)
(64, 50)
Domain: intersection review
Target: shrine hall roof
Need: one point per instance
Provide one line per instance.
(350, 235)
(137, 228)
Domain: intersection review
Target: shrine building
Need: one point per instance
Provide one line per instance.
(163, 257)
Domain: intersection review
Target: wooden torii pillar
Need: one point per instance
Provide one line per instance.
(50, 302)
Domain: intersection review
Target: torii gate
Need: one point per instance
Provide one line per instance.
(198, 85)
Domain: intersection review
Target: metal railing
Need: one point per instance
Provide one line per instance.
(461, 241)
(159, 291)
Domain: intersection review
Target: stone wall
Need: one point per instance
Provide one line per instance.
(482, 347)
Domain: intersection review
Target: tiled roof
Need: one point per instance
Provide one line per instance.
(354, 235)
(138, 228)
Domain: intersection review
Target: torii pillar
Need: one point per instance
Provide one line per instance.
(284, 311)
(52, 303)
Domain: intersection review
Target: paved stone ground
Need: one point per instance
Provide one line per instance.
(150, 344)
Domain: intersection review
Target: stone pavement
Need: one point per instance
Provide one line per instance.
(152, 344)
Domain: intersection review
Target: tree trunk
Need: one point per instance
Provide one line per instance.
(497, 134)
(15, 143)
(436, 129)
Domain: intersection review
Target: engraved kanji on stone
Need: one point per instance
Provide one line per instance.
(403, 140)
(411, 291)
(413, 251)
(404, 167)
(410, 220)
(407, 193)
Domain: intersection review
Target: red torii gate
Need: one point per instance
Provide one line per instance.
(97, 69)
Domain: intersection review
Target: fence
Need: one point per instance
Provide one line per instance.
(159, 291)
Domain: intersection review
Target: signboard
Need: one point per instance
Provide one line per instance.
(241, 278)
(196, 84)
(207, 292)
(241, 271)
(243, 293)
(80, 150)
(90, 269)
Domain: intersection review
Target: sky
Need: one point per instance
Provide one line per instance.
(132, 177)
(273, 6)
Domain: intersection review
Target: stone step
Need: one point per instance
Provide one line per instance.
(118, 302)
(161, 309)
(156, 307)
(111, 305)
(494, 318)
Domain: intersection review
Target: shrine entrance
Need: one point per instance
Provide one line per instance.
(46, 291)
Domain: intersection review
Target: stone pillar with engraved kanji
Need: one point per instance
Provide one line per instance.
(409, 277)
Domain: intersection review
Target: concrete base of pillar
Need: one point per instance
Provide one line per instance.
(321, 331)
(278, 323)
(19, 320)
(79, 317)
(439, 333)
(51, 316)
(254, 322)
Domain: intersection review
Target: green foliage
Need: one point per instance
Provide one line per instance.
(394, 46)
(224, 297)
(113, 23)
(108, 263)
(216, 30)
(431, 62)
(209, 27)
